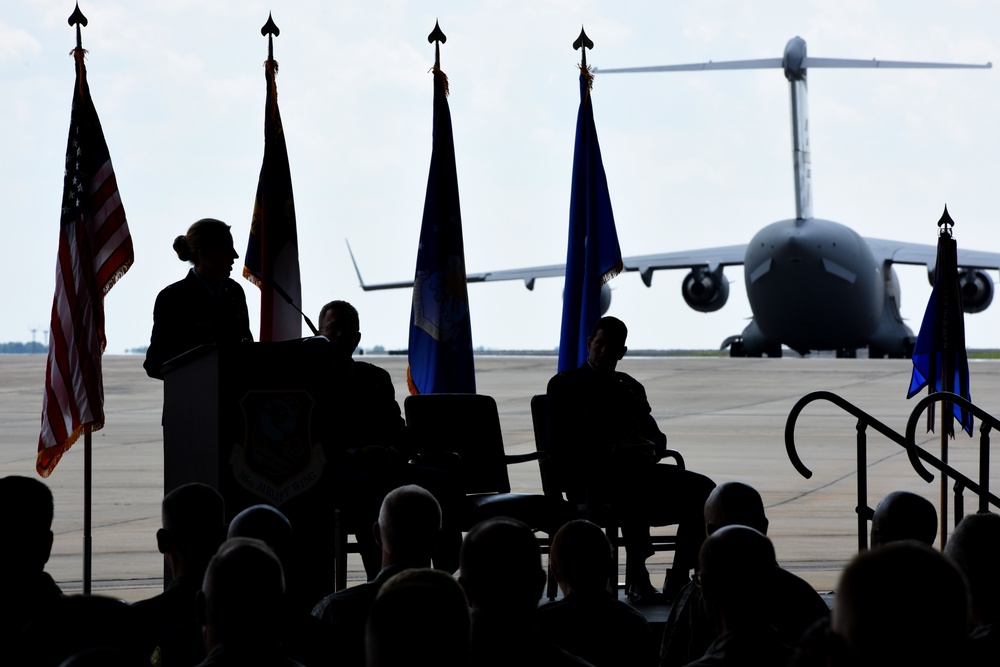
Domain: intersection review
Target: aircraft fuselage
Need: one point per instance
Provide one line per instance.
(814, 285)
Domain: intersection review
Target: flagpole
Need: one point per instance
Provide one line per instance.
(945, 410)
(77, 19)
(88, 540)
(940, 360)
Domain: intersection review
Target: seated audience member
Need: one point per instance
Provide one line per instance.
(194, 525)
(604, 435)
(501, 572)
(588, 621)
(372, 453)
(420, 617)
(904, 516)
(791, 605)
(182, 646)
(27, 591)
(975, 548)
(407, 532)
(240, 605)
(737, 562)
(901, 604)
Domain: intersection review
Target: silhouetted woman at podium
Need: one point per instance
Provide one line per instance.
(207, 306)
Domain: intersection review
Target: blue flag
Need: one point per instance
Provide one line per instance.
(940, 361)
(593, 256)
(440, 353)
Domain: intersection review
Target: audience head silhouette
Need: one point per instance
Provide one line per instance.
(242, 595)
(975, 548)
(501, 566)
(194, 524)
(581, 557)
(409, 526)
(737, 563)
(904, 516)
(264, 523)
(903, 603)
(420, 617)
(27, 518)
(734, 503)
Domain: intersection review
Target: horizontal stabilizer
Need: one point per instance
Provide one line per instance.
(887, 64)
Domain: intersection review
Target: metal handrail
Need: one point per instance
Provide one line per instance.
(864, 420)
(915, 453)
(987, 422)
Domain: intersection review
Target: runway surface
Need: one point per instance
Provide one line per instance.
(726, 416)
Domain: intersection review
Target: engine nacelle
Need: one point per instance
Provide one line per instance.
(705, 291)
(977, 290)
(605, 298)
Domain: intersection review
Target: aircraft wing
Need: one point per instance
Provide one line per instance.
(899, 252)
(710, 258)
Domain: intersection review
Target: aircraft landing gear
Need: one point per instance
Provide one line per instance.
(847, 353)
(740, 346)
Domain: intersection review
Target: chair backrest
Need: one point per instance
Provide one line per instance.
(467, 424)
(548, 467)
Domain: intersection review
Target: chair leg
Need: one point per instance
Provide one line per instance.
(339, 552)
(613, 536)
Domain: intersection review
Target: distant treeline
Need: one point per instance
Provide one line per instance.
(33, 347)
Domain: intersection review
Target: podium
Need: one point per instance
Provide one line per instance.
(245, 419)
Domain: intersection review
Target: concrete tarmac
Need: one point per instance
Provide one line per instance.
(726, 416)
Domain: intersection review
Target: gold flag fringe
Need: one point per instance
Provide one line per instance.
(614, 271)
(79, 53)
(444, 77)
(410, 385)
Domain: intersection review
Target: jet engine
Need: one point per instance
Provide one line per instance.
(605, 298)
(705, 291)
(977, 290)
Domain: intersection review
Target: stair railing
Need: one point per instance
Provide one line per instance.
(916, 454)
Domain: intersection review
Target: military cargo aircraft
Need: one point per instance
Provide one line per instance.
(812, 284)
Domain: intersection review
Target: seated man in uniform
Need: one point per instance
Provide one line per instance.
(369, 445)
(603, 431)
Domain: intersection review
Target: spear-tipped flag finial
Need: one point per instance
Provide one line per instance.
(78, 19)
(271, 30)
(946, 223)
(583, 42)
(437, 38)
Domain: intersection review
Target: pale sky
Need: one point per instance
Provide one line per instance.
(693, 159)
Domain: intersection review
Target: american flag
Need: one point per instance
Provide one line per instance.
(95, 250)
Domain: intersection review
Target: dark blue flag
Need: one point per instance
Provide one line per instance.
(940, 361)
(440, 351)
(593, 256)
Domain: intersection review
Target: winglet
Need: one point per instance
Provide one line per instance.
(355, 263)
